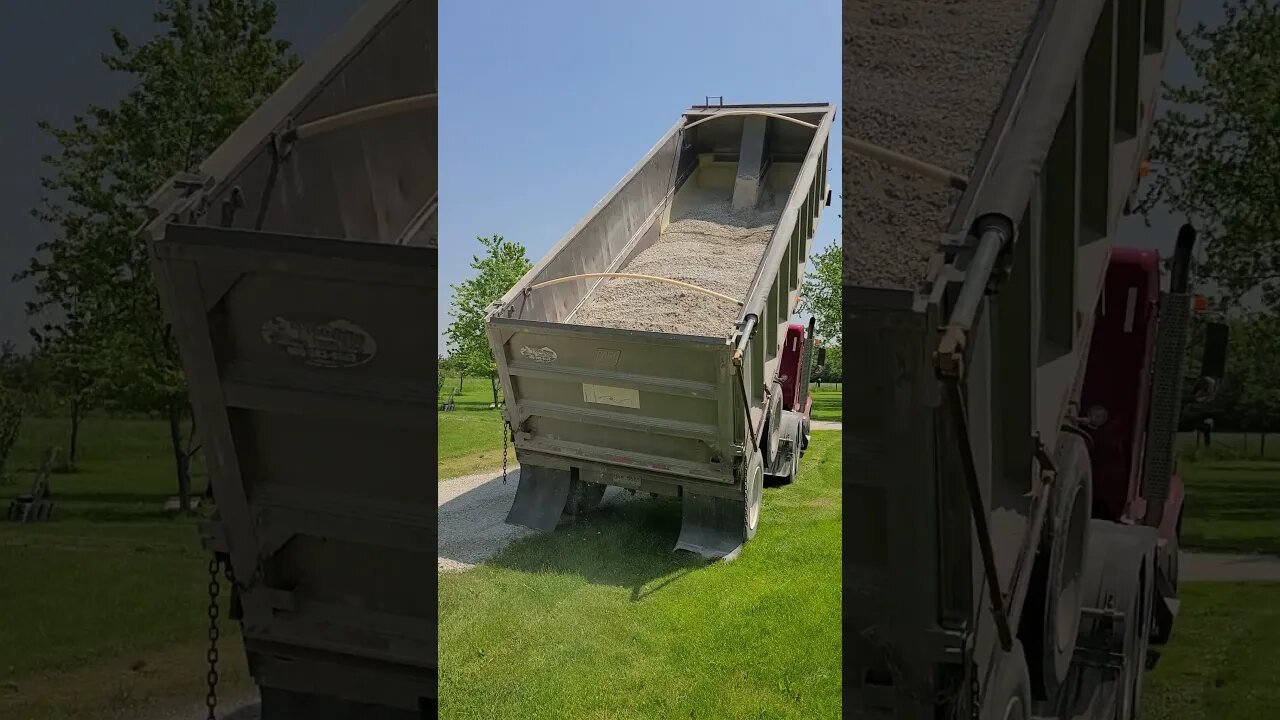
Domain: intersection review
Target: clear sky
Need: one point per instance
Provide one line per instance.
(544, 106)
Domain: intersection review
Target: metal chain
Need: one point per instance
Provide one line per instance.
(505, 429)
(211, 699)
(975, 693)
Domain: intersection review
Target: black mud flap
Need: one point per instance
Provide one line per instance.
(712, 526)
(540, 497)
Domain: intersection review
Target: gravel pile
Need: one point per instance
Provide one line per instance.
(472, 514)
(710, 246)
(923, 78)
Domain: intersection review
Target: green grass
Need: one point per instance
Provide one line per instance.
(602, 619)
(1233, 494)
(470, 436)
(1232, 506)
(104, 607)
(827, 404)
(1222, 661)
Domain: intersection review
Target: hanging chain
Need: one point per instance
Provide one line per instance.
(211, 699)
(505, 429)
(975, 693)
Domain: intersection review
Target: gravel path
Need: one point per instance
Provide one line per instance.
(923, 78)
(472, 510)
(709, 245)
(825, 425)
(1220, 567)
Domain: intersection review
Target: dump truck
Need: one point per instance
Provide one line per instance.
(1014, 374)
(295, 265)
(653, 347)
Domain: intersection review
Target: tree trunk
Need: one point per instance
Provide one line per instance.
(180, 459)
(1262, 451)
(462, 376)
(76, 407)
(493, 385)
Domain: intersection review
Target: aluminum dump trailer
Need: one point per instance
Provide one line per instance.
(296, 265)
(701, 417)
(1009, 540)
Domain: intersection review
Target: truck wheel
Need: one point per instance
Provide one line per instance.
(1137, 638)
(773, 426)
(1008, 696)
(754, 488)
(1051, 619)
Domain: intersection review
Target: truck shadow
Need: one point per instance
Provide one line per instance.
(628, 542)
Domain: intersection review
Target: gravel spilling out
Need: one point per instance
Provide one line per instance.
(923, 78)
(472, 512)
(709, 245)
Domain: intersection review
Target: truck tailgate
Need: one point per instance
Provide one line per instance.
(649, 401)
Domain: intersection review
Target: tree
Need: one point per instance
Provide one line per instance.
(498, 270)
(821, 296)
(1215, 152)
(193, 85)
(1256, 342)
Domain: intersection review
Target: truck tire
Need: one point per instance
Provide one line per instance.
(1008, 695)
(1137, 640)
(1051, 616)
(772, 441)
(1121, 569)
(753, 487)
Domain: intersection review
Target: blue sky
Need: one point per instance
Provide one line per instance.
(545, 106)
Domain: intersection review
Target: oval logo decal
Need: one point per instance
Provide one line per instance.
(539, 355)
(335, 344)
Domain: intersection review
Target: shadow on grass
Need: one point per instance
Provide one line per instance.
(625, 544)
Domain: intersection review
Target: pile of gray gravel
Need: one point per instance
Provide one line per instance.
(923, 78)
(709, 245)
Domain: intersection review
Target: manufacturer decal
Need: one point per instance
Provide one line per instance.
(334, 344)
(607, 358)
(539, 355)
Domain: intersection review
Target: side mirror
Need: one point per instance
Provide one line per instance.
(822, 356)
(1213, 363)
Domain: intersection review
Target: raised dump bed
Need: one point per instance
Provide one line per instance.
(646, 350)
(296, 265)
(991, 148)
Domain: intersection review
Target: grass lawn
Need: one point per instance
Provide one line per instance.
(104, 608)
(827, 403)
(1233, 496)
(603, 620)
(470, 436)
(1222, 661)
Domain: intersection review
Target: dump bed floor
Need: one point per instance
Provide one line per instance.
(924, 78)
(707, 244)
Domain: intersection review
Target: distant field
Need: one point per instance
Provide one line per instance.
(104, 608)
(470, 436)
